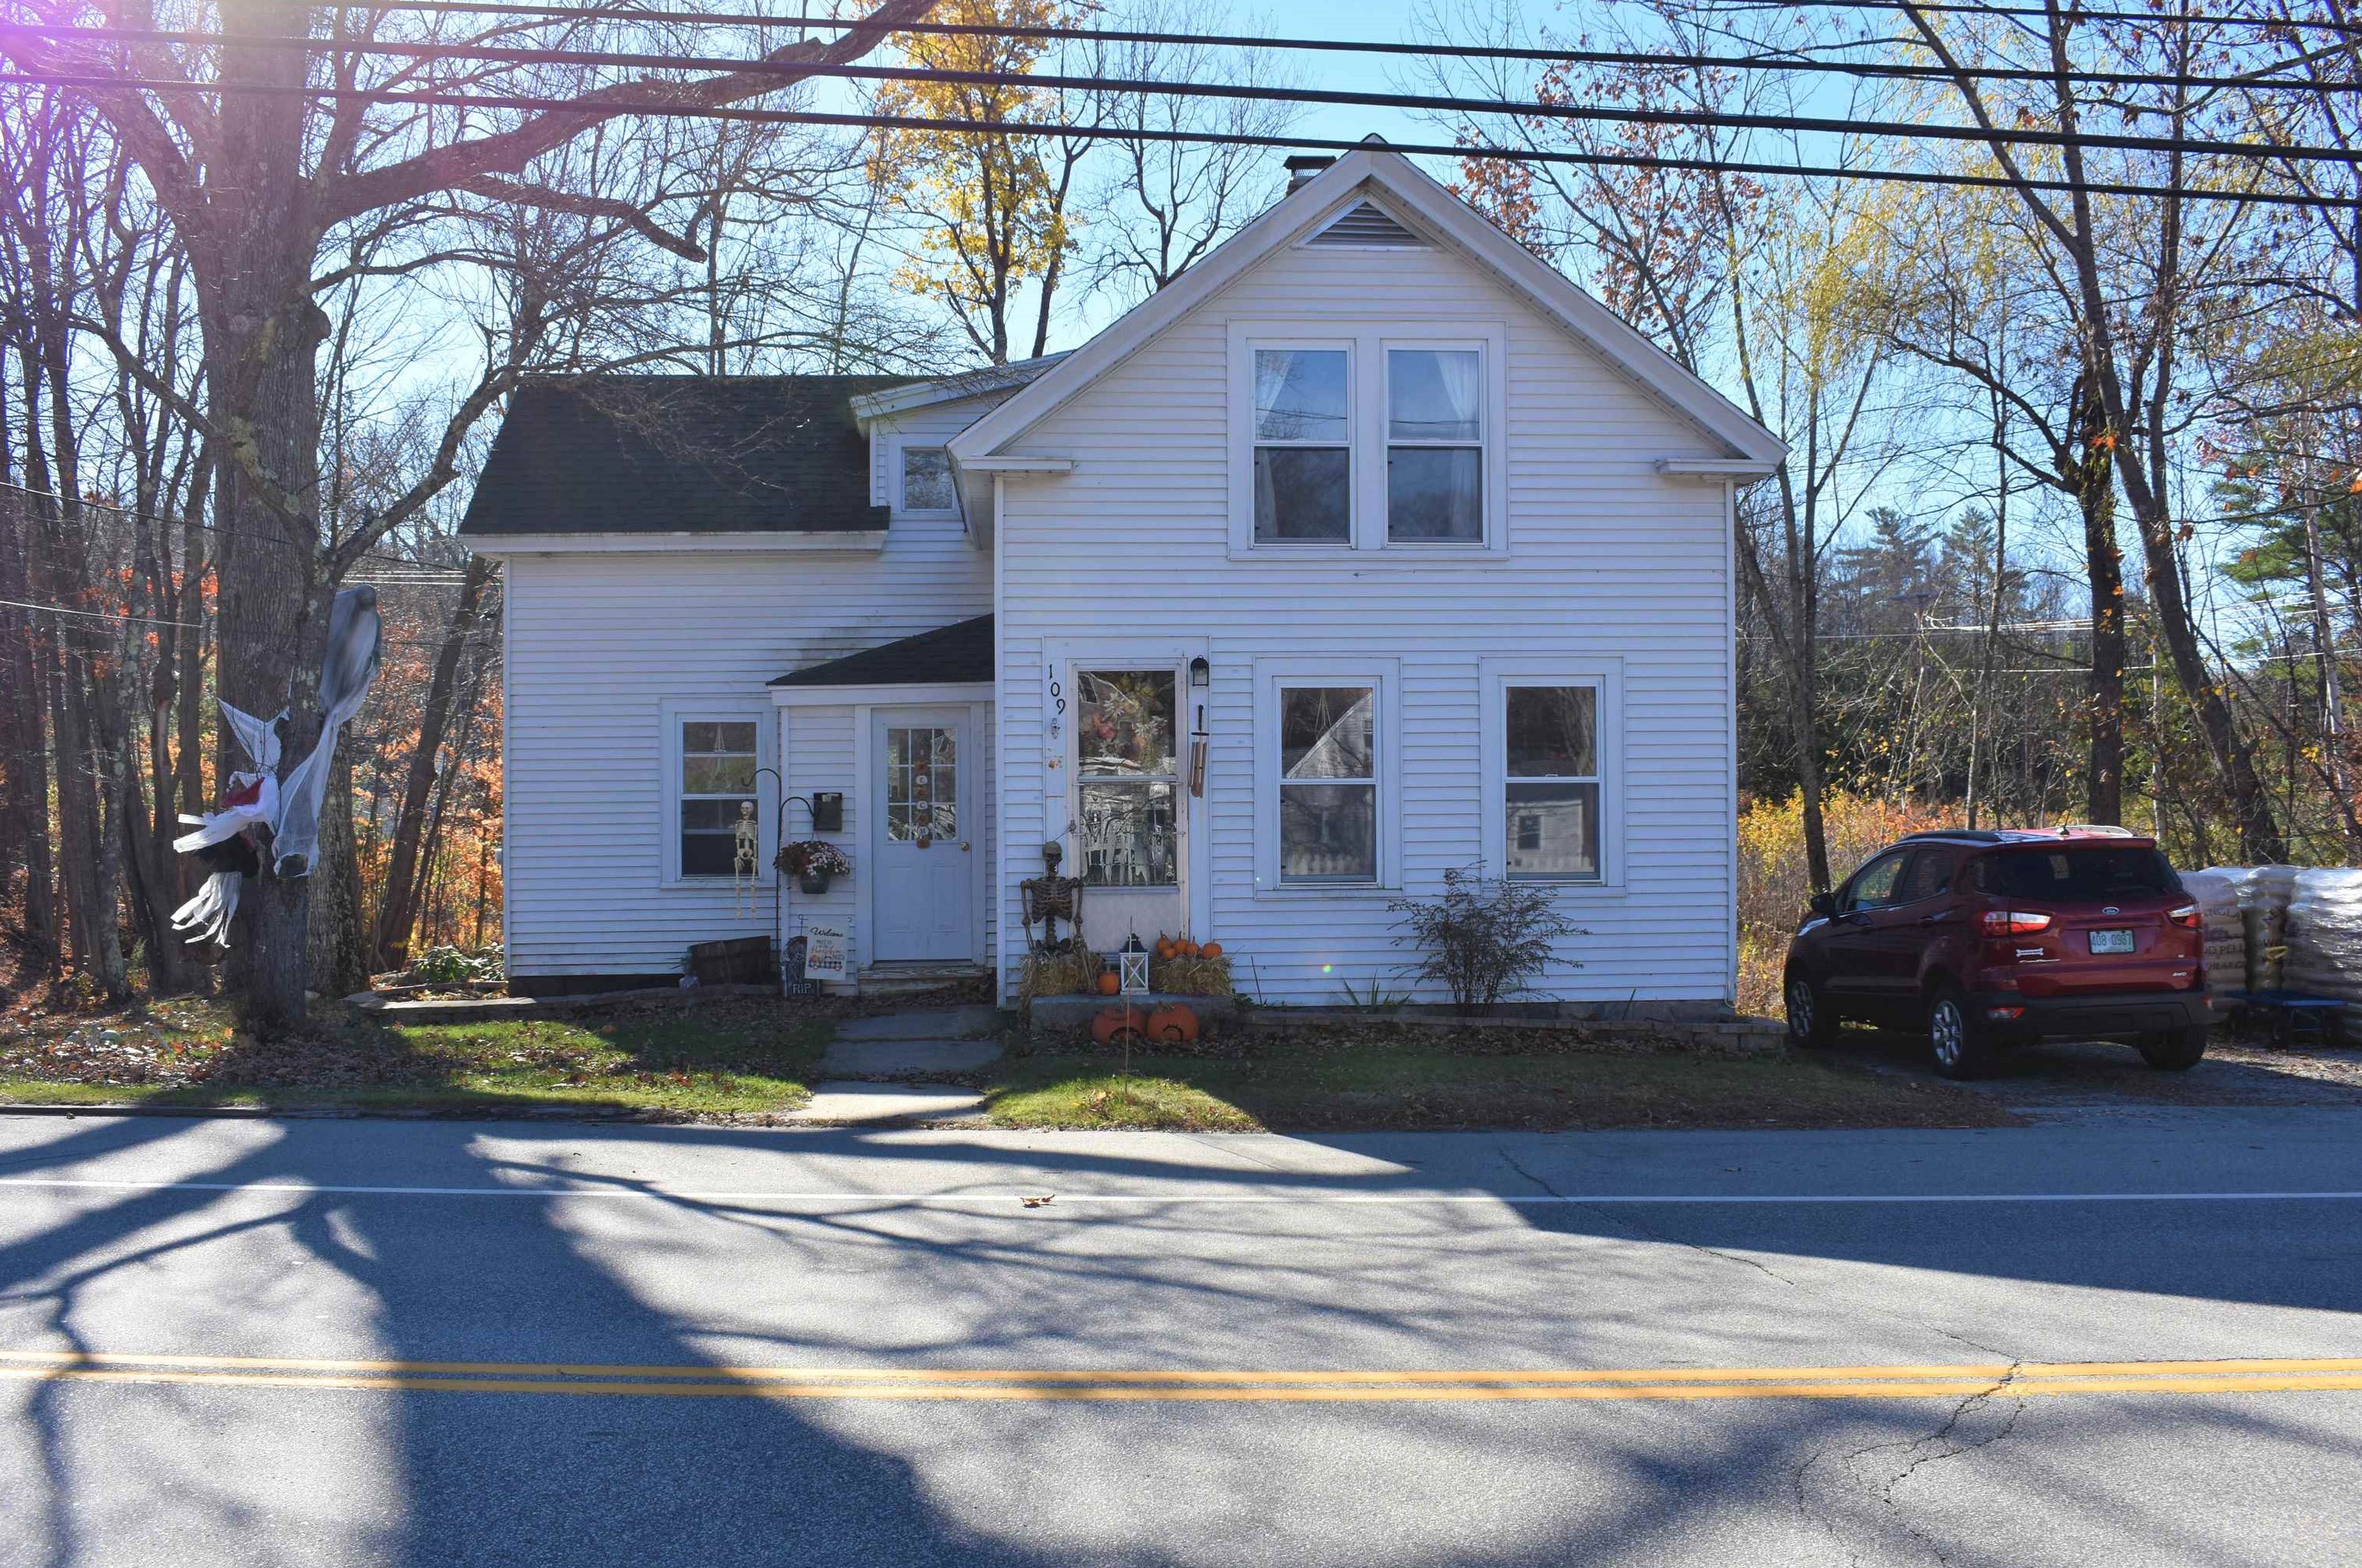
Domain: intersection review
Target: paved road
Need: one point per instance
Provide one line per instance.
(265, 1342)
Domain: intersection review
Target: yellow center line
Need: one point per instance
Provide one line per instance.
(2277, 1374)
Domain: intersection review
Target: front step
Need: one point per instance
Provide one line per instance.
(909, 979)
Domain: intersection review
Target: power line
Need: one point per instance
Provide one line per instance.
(611, 107)
(846, 24)
(795, 72)
(1882, 70)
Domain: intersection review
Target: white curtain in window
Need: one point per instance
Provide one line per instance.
(1437, 394)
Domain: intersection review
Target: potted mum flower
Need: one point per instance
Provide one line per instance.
(811, 862)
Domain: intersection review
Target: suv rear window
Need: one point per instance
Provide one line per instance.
(2084, 874)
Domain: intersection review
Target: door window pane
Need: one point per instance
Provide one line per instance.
(1328, 786)
(926, 479)
(1553, 829)
(1125, 763)
(1300, 394)
(717, 778)
(1552, 731)
(1124, 831)
(1435, 492)
(922, 784)
(1125, 722)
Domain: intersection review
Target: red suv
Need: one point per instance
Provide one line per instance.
(1992, 940)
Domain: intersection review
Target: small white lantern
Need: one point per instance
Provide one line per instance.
(1131, 967)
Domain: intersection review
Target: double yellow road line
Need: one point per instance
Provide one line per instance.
(2021, 1379)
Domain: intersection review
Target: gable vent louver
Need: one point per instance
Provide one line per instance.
(1366, 226)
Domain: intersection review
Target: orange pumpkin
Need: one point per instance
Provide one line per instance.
(1115, 1025)
(1173, 1024)
(1211, 950)
(1109, 983)
(1164, 948)
(1188, 948)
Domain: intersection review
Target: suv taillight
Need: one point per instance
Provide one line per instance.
(2187, 917)
(2015, 922)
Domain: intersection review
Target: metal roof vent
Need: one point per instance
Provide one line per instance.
(1364, 226)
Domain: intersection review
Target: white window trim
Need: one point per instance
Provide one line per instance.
(1606, 676)
(895, 447)
(1270, 676)
(676, 713)
(1368, 427)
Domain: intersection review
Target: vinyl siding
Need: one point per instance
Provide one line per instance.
(1610, 565)
(598, 646)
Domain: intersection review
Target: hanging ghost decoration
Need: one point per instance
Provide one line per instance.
(256, 812)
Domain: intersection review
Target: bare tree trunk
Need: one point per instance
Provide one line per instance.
(339, 935)
(398, 907)
(2086, 474)
(27, 818)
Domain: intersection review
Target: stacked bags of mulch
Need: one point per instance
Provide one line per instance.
(2322, 933)
(2215, 891)
(2264, 896)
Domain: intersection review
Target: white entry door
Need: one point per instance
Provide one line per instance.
(924, 903)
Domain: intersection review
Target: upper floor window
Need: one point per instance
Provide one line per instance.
(1367, 438)
(927, 480)
(1303, 444)
(1435, 444)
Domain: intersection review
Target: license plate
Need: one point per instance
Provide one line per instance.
(2112, 941)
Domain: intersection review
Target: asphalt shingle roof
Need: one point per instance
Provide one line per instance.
(959, 652)
(679, 454)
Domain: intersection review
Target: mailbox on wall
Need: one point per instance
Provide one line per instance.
(828, 810)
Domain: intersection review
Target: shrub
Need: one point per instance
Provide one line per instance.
(1481, 938)
(452, 967)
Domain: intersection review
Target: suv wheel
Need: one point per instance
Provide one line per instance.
(1810, 1027)
(2173, 1050)
(1953, 1039)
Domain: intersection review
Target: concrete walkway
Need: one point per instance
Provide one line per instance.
(869, 1059)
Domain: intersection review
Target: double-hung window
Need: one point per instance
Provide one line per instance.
(717, 761)
(1126, 777)
(1435, 445)
(1328, 784)
(1303, 445)
(1550, 787)
(1368, 437)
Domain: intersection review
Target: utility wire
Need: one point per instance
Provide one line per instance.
(1026, 81)
(1775, 62)
(1249, 40)
(611, 107)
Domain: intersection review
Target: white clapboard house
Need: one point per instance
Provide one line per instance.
(1431, 552)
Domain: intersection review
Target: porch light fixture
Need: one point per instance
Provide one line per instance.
(1201, 679)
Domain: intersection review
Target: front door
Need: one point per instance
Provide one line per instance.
(924, 903)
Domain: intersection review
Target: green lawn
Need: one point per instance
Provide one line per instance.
(1327, 1083)
(747, 1057)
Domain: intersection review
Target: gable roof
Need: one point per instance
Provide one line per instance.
(959, 653)
(1424, 208)
(680, 455)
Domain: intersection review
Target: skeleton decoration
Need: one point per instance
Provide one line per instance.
(747, 849)
(1049, 899)
(257, 811)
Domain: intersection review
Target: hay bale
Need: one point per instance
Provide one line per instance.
(1183, 975)
(2215, 891)
(2324, 935)
(1072, 971)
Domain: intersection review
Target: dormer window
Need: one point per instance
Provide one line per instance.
(927, 481)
